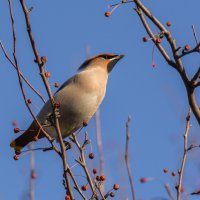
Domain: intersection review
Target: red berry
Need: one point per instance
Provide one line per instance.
(165, 170)
(85, 123)
(145, 39)
(182, 189)
(29, 101)
(67, 197)
(47, 74)
(112, 194)
(43, 59)
(103, 178)
(33, 175)
(16, 130)
(116, 186)
(158, 40)
(16, 157)
(56, 85)
(143, 180)
(168, 23)
(94, 171)
(107, 14)
(17, 152)
(153, 65)
(98, 178)
(187, 47)
(57, 105)
(173, 173)
(91, 155)
(84, 187)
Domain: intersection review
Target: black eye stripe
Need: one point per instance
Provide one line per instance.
(108, 56)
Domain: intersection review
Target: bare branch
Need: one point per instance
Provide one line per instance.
(32, 174)
(82, 161)
(195, 35)
(167, 188)
(178, 63)
(127, 158)
(23, 77)
(99, 141)
(48, 89)
(185, 150)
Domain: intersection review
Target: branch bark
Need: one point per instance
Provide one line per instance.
(176, 62)
(48, 89)
(127, 158)
(185, 150)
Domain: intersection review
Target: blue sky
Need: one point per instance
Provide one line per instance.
(154, 97)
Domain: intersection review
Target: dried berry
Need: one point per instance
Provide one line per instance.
(168, 24)
(17, 152)
(112, 194)
(165, 170)
(33, 174)
(16, 130)
(158, 40)
(56, 85)
(143, 180)
(107, 14)
(84, 187)
(116, 186)
(98, 178)
(91, 155)
(94, 171)
(187, 47)
(29, 101)
(67, 197)
(173, 173)
(47, 74)
(145, 39)
(85, 123)
(16, 157)
(102, 177)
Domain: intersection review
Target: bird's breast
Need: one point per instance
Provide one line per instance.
(80, 99)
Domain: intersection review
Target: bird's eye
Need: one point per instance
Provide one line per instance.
(105, 57)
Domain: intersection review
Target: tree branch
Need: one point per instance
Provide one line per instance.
(185, 149)
(48, 89)
(127, 158)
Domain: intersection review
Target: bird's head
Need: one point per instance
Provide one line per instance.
(105, 61)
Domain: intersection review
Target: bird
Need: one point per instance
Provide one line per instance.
(79, 98)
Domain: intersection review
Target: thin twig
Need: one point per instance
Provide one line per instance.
(21, 84)
(127, 158)
(99, 141)
(195, 35)
(32, 174)
(82, 161)
(23, 77)
(185, 149)
(177, 63)
(167, 188)
(48, 89)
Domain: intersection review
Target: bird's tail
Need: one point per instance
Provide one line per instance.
(31, 134)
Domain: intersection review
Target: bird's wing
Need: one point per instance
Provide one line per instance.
(67, 82)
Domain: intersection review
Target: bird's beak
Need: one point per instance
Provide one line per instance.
(113, 61)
